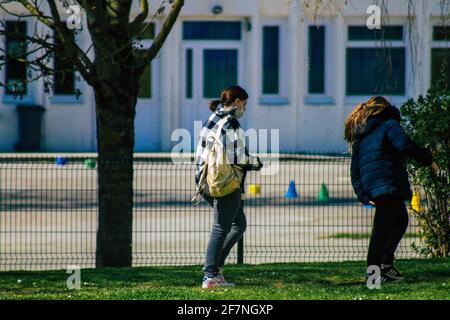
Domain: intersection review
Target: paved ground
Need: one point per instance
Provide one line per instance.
(48, 216)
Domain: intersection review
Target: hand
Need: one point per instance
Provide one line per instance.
(435, 168)
(259, 165)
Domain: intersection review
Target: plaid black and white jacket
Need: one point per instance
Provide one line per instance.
(232, 137)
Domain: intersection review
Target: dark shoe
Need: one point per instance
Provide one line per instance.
(389, 273)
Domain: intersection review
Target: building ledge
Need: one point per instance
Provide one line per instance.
(274, 101)
(319, 100)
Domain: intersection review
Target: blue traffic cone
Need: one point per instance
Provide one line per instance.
(291, 193)
(61, 161)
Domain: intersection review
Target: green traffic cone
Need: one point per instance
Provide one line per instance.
(323, 194)
(90, 163)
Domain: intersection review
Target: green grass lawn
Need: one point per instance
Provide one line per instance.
(425, 279)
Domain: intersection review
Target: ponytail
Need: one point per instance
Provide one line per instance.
(228, 96)
(213, 104)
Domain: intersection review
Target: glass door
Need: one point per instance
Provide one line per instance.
(212, 59)
(208, 70)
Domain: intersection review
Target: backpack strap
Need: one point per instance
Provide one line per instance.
(216, 135)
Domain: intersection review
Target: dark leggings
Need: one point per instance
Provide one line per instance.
(389, 226)
(228, 228)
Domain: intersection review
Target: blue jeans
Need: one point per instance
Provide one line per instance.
(228, 228)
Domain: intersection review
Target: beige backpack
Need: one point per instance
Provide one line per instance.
(219, 177)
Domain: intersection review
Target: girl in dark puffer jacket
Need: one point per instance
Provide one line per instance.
(379, 177)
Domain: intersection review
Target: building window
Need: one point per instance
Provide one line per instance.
(390, 33)
(214, 47)
(223, 62)
(64, 79)
(212, 30)
(375, 61)
(189, 73)
(440, 57)
(16, 55)
(271, 60)
(144, 41)
(273, 63)
(316, 58)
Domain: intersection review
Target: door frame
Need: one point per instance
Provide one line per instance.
(191, 109)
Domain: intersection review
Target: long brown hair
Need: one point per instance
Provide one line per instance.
(358, 117)
(228, 96)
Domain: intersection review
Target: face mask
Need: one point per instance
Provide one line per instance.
(239, 113)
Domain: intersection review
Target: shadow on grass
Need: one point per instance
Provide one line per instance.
(346, 276)
(425, 277)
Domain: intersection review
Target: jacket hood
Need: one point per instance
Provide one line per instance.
(374, 121)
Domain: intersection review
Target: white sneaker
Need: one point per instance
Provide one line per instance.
(217, 281)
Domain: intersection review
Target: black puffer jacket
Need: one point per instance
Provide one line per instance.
(378, 158)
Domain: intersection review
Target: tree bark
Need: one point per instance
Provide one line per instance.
(115, 136)
(115, 113)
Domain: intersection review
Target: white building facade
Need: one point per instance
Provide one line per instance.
(304, 68)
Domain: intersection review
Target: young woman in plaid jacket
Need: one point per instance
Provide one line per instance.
(229, 219)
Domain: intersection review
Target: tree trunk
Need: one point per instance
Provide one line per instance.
(115, 136)
(115, 77)
(116, 108)
(116, 89)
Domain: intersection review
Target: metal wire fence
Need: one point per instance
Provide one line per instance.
(305, 212)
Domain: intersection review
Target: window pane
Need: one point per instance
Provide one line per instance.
(375, 71)
(16, 49)
(316, 53)
(441, 33)
(189, 73)
(212, 30)
(440, 66)
(145, 84)
(220, 68)
(362, 33)
(271, 59)
(64, 80)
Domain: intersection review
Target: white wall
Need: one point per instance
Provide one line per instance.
(304, 126)
(69, 127)
(8, 127)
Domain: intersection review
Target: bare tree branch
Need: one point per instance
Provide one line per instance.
(140, 18)
(96, 11)
(151, 53)
(78, 57)
(35, 12)
(3, 4)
